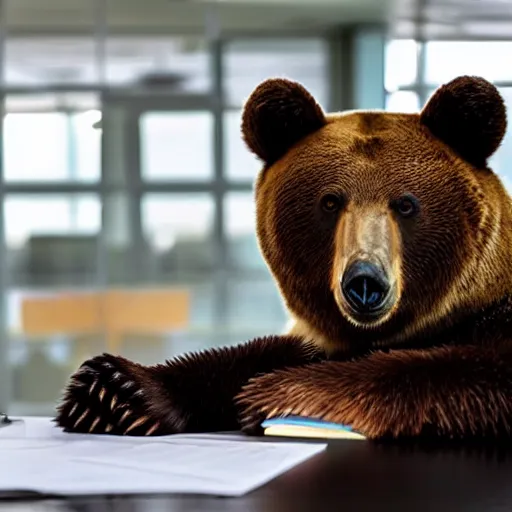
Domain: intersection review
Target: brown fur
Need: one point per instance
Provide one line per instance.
(460, 244)
(192, 393)
(437, 360)
(401, 393)
(466, 99)
(277, 115)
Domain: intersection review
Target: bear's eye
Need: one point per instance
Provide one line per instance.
(331, 203)
(407, 206)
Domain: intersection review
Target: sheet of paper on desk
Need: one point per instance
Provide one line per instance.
(38, 457)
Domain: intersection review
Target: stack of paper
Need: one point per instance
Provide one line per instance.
(37, 456)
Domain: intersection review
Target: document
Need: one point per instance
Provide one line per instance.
(36, 456)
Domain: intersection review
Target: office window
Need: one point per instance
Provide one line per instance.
(51, 239)
(249, 62)
(177, 146)
(500, 162)
(446, 60)
(255, 307)
(44, 102)
(37, 60)
(52, 146)
(240, 229)
(402, 101)
(177, 63)
(36, 147)
(86, 145)
(27, 215)
(401, 63)
(240, 163)
(178, 229)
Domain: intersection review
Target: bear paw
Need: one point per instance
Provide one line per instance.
(110, 395)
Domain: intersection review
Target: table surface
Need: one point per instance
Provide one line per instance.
(349, 475)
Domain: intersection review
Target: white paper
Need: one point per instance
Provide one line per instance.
(37, 456)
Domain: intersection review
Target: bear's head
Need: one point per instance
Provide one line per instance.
(380, 226)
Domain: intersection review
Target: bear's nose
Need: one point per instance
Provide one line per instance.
(365, 286)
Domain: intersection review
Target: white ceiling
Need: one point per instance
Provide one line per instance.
(452, 19)
(186, 15)
(405, 18)
(70, 58)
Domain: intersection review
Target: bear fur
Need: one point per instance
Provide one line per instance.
(409, 197)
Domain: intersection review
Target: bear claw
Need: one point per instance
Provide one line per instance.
(104, 396)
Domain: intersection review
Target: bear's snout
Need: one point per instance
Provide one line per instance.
(365, 277)
(366, 288)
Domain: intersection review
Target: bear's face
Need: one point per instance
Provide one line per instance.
(372, 224)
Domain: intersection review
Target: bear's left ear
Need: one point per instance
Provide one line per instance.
(469, 115)
(277, 115)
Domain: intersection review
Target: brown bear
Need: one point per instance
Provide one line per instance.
(390, 239)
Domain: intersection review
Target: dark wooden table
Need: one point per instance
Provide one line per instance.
(348, 476)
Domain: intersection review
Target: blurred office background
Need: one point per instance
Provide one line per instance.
(126, 208)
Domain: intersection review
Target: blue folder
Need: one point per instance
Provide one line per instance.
(300, 421)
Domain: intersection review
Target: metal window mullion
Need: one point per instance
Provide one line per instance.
(50, 188)
(420, 79)
(162, 187)
(141, 103)
(220, 276)
(5, 370)
(140, 32)
(101, 187)
(428, 87)
(341, 69)
(100, 37)
(102, 267)
(72, 161)
(134, 192)
(419, 86)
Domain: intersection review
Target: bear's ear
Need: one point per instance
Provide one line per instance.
(278, 114)
(468, 114)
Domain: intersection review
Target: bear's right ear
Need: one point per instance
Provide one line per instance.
(277, 115)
